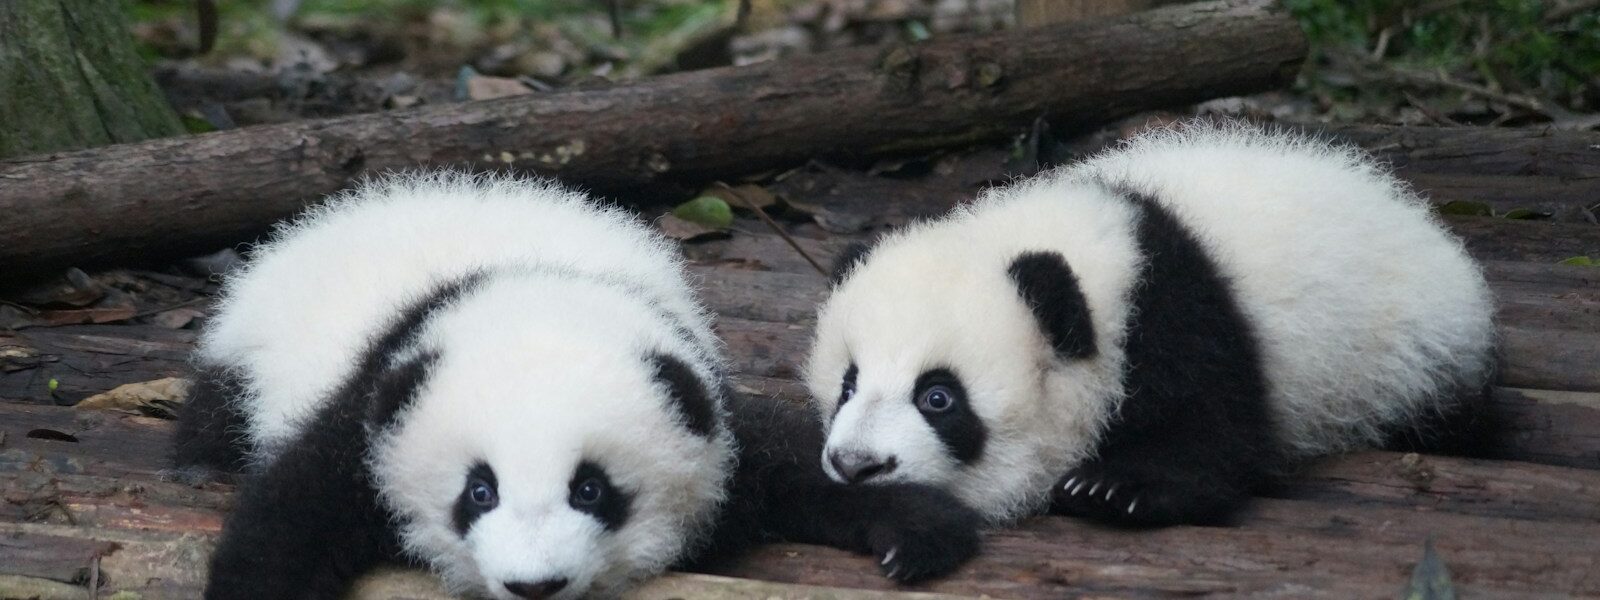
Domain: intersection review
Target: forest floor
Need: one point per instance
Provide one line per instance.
(91, 366)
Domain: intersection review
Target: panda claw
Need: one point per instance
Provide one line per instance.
(889, 556)
(1068, 486)
(1094, 488)
(1110, 491)
(1133, 504)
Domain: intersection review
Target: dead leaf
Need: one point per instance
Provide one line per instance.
(687, 231)
(16, 357)
(79, 316)
(177, 318)
(484, 87)
(74, 288)
(141, 397)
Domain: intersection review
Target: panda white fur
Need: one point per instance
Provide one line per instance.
(1144, 336)
(501, 380)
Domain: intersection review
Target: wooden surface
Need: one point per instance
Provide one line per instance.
(81, 492)
(158, 200)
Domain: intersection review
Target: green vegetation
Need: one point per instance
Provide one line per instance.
(456, 29)
(1538, 56)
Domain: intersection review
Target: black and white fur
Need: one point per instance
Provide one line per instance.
(1143, 337)
(500, 380)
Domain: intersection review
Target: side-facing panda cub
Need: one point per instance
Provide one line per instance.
(498, 379)
(1143, 337)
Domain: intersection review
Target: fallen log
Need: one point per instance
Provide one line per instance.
(161, 199)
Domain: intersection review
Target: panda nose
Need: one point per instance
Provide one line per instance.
(856, 467)
(536, 590)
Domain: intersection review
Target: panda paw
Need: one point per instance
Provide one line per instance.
(929, 535)
(1125, 498)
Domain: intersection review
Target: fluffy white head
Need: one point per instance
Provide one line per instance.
(543, 366)
(542, 385)
(934, 306)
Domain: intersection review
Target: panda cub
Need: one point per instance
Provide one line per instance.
(500, 380)
(1144, 337)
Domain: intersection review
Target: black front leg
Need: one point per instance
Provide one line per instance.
(780, 493)
(308, 525)
(1160, 480)
(210, 441)
(915, 531)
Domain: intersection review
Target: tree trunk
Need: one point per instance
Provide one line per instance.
(70, 78)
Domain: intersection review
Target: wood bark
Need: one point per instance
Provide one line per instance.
(70, 78)
(160, 199)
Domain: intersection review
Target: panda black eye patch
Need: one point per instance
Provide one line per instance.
(479, 495)
(847, 389)
(591, 492)
(942, 401)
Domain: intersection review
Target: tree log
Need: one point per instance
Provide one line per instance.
(161, 199)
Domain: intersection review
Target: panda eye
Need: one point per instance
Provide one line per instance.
(479, 496)
(482, 494)
(848, 388)
(936, 399)
(589, 493)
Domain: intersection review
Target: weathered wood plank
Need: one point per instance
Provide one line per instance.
(1285, 548)
(1479, 150)
(1487, 488)
(1354, 529)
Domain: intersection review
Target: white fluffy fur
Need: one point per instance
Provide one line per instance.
(541, 365)
(1366, 308)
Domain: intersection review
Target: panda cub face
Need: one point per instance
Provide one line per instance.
(928, 366)
(553, 456)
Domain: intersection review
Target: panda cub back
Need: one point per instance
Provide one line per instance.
(490, 376)
(1143, 336)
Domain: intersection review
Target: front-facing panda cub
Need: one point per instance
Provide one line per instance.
(1145, 336)
(501, 380)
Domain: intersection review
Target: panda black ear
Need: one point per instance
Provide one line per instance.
(687, 392)
(853, 254)
(1050, 290)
